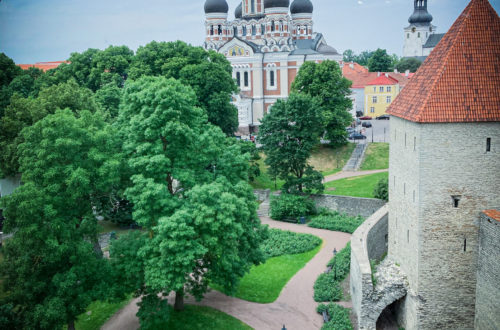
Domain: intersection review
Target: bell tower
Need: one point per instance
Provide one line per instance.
(419, 30)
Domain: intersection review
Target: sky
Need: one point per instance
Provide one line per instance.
(50, 30)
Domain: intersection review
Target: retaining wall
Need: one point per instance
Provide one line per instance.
(353, 206)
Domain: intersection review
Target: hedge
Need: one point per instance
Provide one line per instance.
(335, 221)
(280, 242)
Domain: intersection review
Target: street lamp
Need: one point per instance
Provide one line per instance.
(335, 264)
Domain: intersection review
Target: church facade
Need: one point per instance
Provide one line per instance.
(266, 44)
(420, 35)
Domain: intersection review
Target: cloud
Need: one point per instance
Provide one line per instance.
(360, 2)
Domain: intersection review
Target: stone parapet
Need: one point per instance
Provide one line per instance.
(352, 206)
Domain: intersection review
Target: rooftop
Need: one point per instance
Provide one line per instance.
(494, 214)
(383, 80)
(45, 66)
(460, 80)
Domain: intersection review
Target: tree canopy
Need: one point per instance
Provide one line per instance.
(325, 83)
(380, 61)
(408, 63)
(288, 134)
(52, 268)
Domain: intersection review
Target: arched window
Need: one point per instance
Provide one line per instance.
(253, 6)
(244, 31)
(262, 29)
(238, 78)
(235, 31)
(211, 30)
(272, 26)
(219, 29)
(245, 78)
(271, 78)
(254, 30)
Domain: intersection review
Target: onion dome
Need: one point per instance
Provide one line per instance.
(276, 3)
(238, 12)
(216, 6)
(301, 7)
(420, 14)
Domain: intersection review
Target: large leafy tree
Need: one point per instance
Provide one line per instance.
(288, 134)
(325, 83)
(189, 191)
(408, 63)
(349, 55)
(380, 61)
(8, 70)
(23, 112)
(208, 73)
(52, 267)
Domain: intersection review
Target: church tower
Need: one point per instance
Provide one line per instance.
(419, 30)
(216, 29)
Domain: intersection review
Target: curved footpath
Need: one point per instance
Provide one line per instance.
(349, 174)
(295, 307)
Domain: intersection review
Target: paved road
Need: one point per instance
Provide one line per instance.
(294, 308)
(379, 132)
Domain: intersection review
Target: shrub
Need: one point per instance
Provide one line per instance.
(333, 220)
(327, 286)
(291, 206)
(381, 190)
(339, 317)
(280, 242)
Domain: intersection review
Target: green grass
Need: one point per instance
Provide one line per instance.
(206, 318)
(324, 159)
(358, 186)
(108, 226)
(100, 312)
(264, 282)
(376, 157)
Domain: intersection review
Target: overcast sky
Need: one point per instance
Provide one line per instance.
(49, 30)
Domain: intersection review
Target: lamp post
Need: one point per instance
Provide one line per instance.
(335, 264)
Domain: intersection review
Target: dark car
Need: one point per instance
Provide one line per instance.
(383, 117)
(350, 130)
(357, 136)
(366, 118)
(366, 124)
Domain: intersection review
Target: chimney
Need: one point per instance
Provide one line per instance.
(387, 75)
(378, 74)
(407, 73)
(351, 65)
(396, 71)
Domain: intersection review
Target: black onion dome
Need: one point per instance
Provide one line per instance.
(301, 7)
(238, 12)
(216, 6)
(420, 16)
(276, 3)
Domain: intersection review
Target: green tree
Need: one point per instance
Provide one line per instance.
(208, 73)
(189, 191)
(408, 63)
(53, 268)
(330, 89)
(364, 57)
(380, 61)
(24, 112)
(8, 70)
(381, 190)
(288, 134)
(349, 55)
(108, 97)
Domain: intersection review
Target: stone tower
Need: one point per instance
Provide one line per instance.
(419, 30)
(444, 169)
(216, 28)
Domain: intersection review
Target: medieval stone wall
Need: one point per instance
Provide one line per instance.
(488, 275)
(352, 206)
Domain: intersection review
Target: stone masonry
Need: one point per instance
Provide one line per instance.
(488, 274)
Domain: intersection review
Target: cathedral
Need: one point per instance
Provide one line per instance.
(266, 44)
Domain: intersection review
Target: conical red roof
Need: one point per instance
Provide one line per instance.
(460, 80)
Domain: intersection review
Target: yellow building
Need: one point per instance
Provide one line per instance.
(379, 94)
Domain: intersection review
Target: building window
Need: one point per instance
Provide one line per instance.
(389, 89)
(211, 30)
(245, 78)
(253, 6)
(372, 109)
(408, 236)
(465, 244)
(456, 200)
(389, 99)
(244, 31)
(219, 30)
(414, 143)
(374, 99)
(254, 30)
(405, 140)
(407, 36)
(272, 26)
(262, 29)
(238, 78)
(271, 78)
(418, 35)
(381, 89)
(413, 196)
(374, 89)
(488, 144)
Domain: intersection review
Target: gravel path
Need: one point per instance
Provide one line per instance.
(295, 307)
(343, 175)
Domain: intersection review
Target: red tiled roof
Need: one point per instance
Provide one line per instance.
(45, 66)
(383, 80)
(494, 214)
(460, 80)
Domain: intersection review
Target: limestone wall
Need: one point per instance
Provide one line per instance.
(488, 275)
(353, 206)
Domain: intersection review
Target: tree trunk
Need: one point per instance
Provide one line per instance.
(179, 300)
(71, 325)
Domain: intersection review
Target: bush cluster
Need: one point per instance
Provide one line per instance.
(327, 286)
(280, 242)
(339, 317)
(291, 206)
(333, 220)
(381, 190)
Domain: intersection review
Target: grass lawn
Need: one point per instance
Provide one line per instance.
(324, 159)
(100, 312)
(200, 317)
(108, 226)
(358, 186)
(376, 157)
(264, 282)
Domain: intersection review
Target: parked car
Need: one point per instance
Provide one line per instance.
(365, 118)
(359, 114)
(366, 124)
(357, 136)
(383, 117)
(350, 130)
